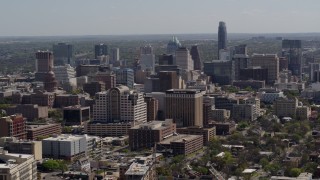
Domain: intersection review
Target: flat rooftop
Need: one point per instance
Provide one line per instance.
(65, 137)
(179, 138)
(137, 169)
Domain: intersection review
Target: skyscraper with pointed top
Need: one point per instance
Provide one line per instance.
(173, 45)
(222, 36)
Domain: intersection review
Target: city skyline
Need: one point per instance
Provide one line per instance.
(39, 18)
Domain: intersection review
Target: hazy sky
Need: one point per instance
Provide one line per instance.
(107, 17)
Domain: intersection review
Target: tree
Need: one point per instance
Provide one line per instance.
(295, 172)
(263, 162)
(50, 165)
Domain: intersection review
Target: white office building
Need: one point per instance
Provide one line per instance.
(17, 166)
(120, 105)
(184, 59)
(65, 146)
(64, 73)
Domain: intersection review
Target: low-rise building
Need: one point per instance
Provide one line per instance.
(147, 134)
(303, 112)
(13, 145)
(39, 131)
(182, 144)
(220, 114)
(17, 166)
(284, 107)
(13, 126)
(206, 133)
(29, 111)
(69, 147)
(107, 129)
(75, 115)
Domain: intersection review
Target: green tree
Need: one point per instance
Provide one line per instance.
(295, 172)
(51, 165)
(263, 162)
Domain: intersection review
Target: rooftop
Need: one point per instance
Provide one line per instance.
(137, 169)
(179, 138)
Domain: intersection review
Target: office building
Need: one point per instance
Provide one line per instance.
(64, 100)
(182, 144)
(13, 126)
(100, 50)
(168, 80)
(39, 131)
(254, 84)
(63, 54)
(152, 108)
(125, 76)
(184, 59)
(166, 59)
(120, 105)
(146, 135)
(196, 58)
(29, 111)
(108, 77)
(69, 147)
(85, 70)
(284, 107)
(207, 133)
(221, 72)
(115, 54)
(244, 112)
(220, 115)
(147, 62)
(267, 61)
(254, 73)
(75, 115)
(191, 113)
(93, 87)
(99, 128)
(14, 145)
(64, 73)
(222, 36)
(241, 49)
(173, 45)
(241, 61)
(283, 63)
(44, 70)
(292, 50)
(17, 166)
(223, 102)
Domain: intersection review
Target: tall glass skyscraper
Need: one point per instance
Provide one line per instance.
(222, 36)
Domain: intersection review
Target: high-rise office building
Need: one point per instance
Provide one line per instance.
(173, 45)
(166, 59)
(146, 49)
(168, 80)
(221, 72)
(183, 59)
(267, 61)
(115, 55)
(222, 36)
(291, 49)
(152, 107)
(185, 107)
(125, 76)
(147, 58)
(108, 77)
(120, 104)
(100, 50)
(196, 57)
(241, 49)
(241, 61)
(44, 73)
(63, 54)
(64, 73)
